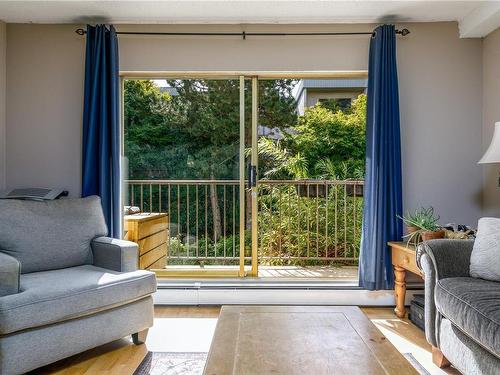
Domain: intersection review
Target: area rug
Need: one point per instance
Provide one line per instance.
(192, 364)
(156, 363)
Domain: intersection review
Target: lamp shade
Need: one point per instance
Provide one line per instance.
(492, 154)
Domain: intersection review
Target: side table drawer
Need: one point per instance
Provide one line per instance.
(406, 260)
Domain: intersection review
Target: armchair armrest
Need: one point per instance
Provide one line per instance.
(10, 272)
(114, 254)
(440, 259)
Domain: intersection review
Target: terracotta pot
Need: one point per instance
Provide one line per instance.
(412, 239)
(432, 235)
(411, 229)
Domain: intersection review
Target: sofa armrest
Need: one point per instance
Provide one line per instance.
(440, 259)
(10, 273)
(114, 254)
(450, 258)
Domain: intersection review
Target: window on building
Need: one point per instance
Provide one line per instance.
(336, 104)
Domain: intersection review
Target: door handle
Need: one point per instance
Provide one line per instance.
(252, 176)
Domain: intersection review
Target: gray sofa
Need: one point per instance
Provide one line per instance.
(64, 286)
(462, 314)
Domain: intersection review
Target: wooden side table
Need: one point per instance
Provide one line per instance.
(150, 232)
(403, 260)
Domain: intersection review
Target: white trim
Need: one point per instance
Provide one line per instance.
(239, 296)
(481, 21)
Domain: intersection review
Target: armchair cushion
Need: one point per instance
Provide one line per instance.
(473, 305)
(52, 296)
(10, 270)
(50, 235)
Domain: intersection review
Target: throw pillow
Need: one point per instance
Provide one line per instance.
(485, 258)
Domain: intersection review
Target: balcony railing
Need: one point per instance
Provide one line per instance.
(301, 222)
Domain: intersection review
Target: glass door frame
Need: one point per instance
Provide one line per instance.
(255, 76)
(238, 271)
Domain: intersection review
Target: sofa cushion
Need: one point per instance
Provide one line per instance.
(50, 235)
(485, 257)
(58, 295)
(473, 305)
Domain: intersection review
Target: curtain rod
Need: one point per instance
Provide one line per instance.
(243, 34)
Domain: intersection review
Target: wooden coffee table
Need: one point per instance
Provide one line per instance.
(259, 340)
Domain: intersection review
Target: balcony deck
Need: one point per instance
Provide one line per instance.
(345, 273)
(307, 229)
(283, 273)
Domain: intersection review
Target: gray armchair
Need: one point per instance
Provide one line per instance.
(64, 286)
(462, 314)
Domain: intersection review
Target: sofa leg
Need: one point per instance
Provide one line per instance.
(438, 358)
(140, 337)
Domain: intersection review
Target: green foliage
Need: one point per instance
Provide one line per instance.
(195, 135)
(333, 143)
(206, 250)
(146, 113)
(293, 227)
(423, 218)
(278, 162)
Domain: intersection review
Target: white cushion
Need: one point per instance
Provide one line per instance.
(485, 258)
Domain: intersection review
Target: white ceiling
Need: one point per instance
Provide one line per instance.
(476, 18)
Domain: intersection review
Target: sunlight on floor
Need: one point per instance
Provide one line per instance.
(181, 335)
(388, 328)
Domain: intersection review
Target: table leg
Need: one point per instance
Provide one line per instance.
(400, 291)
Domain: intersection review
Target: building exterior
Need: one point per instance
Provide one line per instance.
(342, 90)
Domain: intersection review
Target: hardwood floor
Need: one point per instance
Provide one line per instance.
(190, 329)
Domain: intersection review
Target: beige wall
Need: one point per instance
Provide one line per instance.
(440, 89)
(440, 93)
(491, 114)
(3, 50)
(45, 68)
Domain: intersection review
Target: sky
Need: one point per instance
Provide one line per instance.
(163, 83)
(160, 82)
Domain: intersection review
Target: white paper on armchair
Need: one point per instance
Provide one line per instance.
(485, 258)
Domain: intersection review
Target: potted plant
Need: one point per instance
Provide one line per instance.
(422, 225)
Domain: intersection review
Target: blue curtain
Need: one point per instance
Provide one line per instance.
(383, 187)
(101, 130)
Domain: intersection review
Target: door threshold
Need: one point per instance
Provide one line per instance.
(263, 283)
(204, 295)
(193, 273)
(254, 283)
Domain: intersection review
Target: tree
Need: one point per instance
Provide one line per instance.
(332, 142)
(195, 134)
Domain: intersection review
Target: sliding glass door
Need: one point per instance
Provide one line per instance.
(311, 149)
(249, 171)
(186, 146)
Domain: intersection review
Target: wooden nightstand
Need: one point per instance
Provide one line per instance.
(403, 259)
(150, 232)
